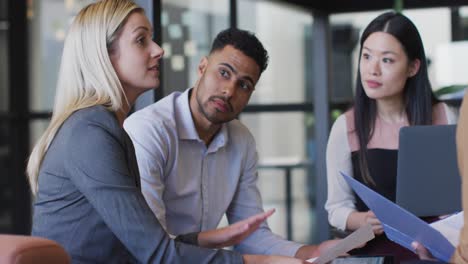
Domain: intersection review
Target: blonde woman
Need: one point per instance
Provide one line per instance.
(83, 169)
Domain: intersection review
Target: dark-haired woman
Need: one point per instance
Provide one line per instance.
(392, 91)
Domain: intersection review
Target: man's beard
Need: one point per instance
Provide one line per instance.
(213, 118)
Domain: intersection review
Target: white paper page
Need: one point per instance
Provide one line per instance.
(450, 227)
(354, 240)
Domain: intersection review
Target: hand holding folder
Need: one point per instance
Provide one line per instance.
(401, 226)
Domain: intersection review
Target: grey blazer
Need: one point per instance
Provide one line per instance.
(90, 202)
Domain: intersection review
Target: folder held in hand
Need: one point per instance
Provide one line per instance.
(401, 226)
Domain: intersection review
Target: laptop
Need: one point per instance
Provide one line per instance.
(428, 181)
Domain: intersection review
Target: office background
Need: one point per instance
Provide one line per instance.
(310, 80)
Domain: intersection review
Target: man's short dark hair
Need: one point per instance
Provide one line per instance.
(244, 41)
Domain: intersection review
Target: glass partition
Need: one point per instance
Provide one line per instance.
(48, 23)
(284, 139)
(285, 37)
(189, 28)
(283, 149)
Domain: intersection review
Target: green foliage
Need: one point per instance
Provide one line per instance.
(335, 114)
(449, 89)
(398, 6)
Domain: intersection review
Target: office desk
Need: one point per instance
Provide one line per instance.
(287, 164)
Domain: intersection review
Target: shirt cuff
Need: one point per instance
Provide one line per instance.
(340, 217)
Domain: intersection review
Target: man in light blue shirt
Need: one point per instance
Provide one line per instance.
(197, 162)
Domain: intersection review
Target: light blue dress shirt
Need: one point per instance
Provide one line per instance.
(190, 186)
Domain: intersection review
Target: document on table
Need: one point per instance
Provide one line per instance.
(354, 240)
(450, 227)
(401, 226)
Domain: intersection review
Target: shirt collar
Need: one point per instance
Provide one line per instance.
(186, 127)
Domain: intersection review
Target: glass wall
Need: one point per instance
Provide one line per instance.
(188, 30)
(285, 37)
(283, 138)
(283, 148)
(48, 23)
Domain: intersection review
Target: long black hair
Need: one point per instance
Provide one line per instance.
(417, 94)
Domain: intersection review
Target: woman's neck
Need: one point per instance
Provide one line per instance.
(122, 113)
(391, 110)
(128, 100)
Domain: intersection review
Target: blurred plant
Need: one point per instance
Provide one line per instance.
(398, 6)
(335, 114)
(310, 118)
(450, 90)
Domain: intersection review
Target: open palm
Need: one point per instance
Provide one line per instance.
(233, 234)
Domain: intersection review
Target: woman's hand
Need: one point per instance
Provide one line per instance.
(422, 252)
(358, 219)
(233, 234)
(370, 218)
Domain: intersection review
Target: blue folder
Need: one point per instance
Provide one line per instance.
(401, 226)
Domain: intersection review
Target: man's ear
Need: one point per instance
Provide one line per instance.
(202, 66)
(414, 68)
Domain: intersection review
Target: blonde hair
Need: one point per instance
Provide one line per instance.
(87, 77)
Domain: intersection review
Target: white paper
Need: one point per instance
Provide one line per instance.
(450, 227)
(354, 240)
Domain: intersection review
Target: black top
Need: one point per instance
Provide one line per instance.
(382, 165)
